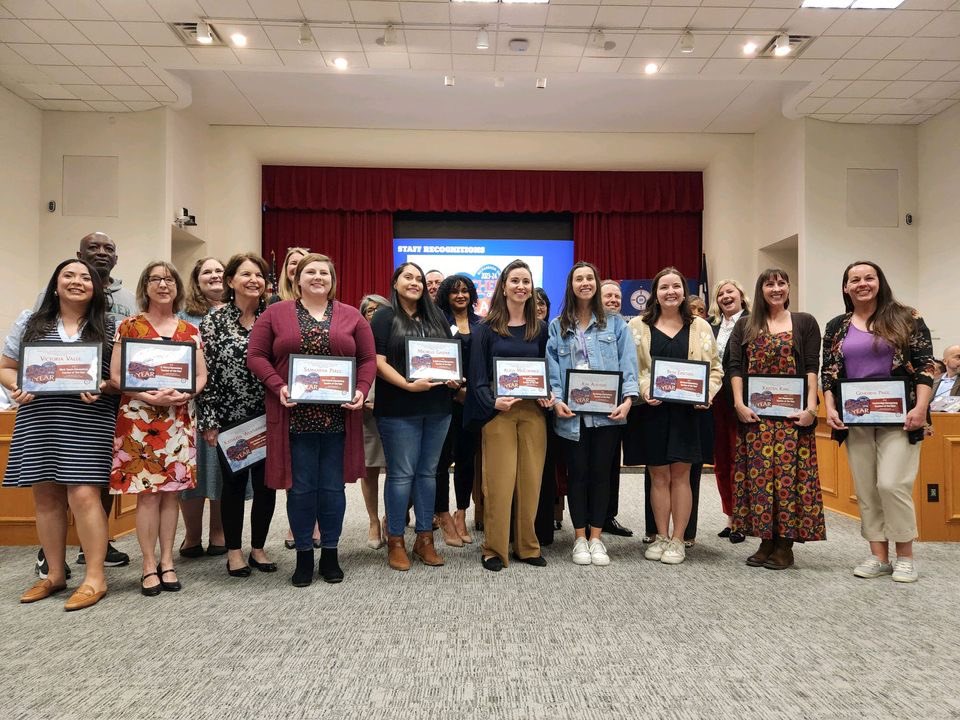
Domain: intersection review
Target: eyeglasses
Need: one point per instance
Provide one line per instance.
(157, 280)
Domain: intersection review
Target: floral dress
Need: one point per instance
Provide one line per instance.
(776, 483)
(154, 447)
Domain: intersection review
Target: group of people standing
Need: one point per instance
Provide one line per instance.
(160, 445)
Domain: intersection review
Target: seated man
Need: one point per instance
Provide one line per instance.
(949, 382)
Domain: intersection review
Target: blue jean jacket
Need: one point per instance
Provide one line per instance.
(608, 348)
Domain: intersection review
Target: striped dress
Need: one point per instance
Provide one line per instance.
(60, 438)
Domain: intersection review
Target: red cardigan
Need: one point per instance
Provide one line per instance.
(275, 336)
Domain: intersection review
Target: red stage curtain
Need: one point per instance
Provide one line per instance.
(629, 246)
(357, 242)
(390, 190)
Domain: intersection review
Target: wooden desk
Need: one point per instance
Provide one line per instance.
(17, 515)
(936, 492)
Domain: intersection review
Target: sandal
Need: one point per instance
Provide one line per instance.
(153, 590)
(169, 586)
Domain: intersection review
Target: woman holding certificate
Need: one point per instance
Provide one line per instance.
(776, 484)
(233, 395)
(315, 356)
(680, 373)
(154, 451)
(50, 428)
(506, 389)
(591, 354)
(412, 414)
(878, 338)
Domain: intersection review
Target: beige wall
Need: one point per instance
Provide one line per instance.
(186, 159)
(20, 141)
(938, 225)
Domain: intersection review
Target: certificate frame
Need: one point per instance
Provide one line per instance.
(771, 396)
(520, 377)
(431, 358)
(244, 444)
(304, 379)
(593, 392)
(139, 371)
(872, 401)
(670, 375)
(59, 368)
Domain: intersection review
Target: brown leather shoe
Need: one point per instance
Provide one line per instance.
(460, 524)
(41, 589)
(423, 549)
(782, 556)
(84, 597)
(450, 535)
(763, 552)
(397, 556)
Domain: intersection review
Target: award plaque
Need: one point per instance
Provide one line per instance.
(244, 444)
(775, 396)
(157, 365)
(593, 391)
(322, 379)
(872, 401)
(433, 359)
(53, 368)
(680, 381)
(520, 378)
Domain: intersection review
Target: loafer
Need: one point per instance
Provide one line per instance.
(194, 551)
(613, 527)
(538, 561)
(84, 597)
(41, 589)
(267, 567)
(150, 591)
(493, 564)
(214, 550)
(174, 586)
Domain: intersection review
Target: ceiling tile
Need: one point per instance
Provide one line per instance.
(370, 36)
(571, 15)
(9, 57)
(249, 56)
(152, 33)
(65, 74)
(381, 12)
(902, 89)
(227, 9)
(130, 10)
(716, 18)
(791, 4)
(214, 56)
(764, 18)
(840, 105)
(128, 92)
(926, 49)
(126, 54)
(80, 9)
(427, 12)
(429, 61)
(873, 48)
(558, 64)
(337, 39)
(110, 106)
(858, 118)
(388, 61)
(473, 63)
(142, 75)
(724, 66)
(256, 37)
(904, 23)
(474, 13)
(766, 67)
(848, 69)
(810, 105)
(953, 75)
(32, 9)
(427, 41)
(599, 65)
(644, 46)
(556, 44)
(947, 25)
(939, 90)
(926, 4)
(516, 63)
(84, 54)
(727, 3)
(669, 3)
(89, 92)
(302, 58)
(161, 93)
(811, 21)
(806, 69)
(357, 60)
(888, 69)
(668, 17)
(682, 66)
(829, 47)
(40, 54)
(102, 32)
(620, 16)
(286, 37)
(171, 56)
(830, 88)
(862, 89)
(857, 22)
(68, 105)
(327, 10)
(56, 31)
(732, 45)
(530, 15)
(143, 105)
(638, 66)
(4, 13)
(13, 31)
(929, 70)
(177, 10)
(108, 75)
(885, 105)
(49, 91)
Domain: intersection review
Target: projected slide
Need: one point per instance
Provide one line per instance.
(482, 260)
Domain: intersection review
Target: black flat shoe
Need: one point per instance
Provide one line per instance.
(613, 527)
(267, 567)
(192, 552)
(150, 591)
(538, 561)
(243, 571)
(174, 586)
(290, 544)
(737, 537)
(493, 564)
(725, 533)
(214, 550)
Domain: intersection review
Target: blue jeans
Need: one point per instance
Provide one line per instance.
(412, 448)
(317, 494)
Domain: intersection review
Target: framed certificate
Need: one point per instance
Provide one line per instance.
(157, 365)
(322, 379)
(520, 378)
(680, 381)
(775, 396)
(872, 401)
(433, 359)
(53, 368)
(592, 391)
(244, 444)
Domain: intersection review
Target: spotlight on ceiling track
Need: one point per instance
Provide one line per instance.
(598, 40)
(306, 37)
(483, 39)
(686, 42)
(449, 80)
(542, 83)
(389, 38)
(204, 36)
(782, 46)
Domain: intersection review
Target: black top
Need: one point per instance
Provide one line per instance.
(486, 345)
(391, 400)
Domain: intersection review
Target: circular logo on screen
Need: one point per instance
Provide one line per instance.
(639, 299)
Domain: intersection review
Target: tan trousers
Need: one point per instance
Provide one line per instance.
(884, 466)
(514, 447)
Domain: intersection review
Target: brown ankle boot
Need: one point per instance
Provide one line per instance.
(450, 535)
(423, 549)
(782, 556)
(397, 553)
(460, 523)
(762, 554)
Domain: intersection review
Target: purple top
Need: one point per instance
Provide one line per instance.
(866, 355)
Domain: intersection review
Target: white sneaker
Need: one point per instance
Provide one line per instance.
(872, 567)
(598, 553)
(655, 550)
(905, 570)
(581, 552)
(674, 553)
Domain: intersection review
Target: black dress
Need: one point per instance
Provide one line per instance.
(670, 432)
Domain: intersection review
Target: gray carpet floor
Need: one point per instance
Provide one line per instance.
(711, 638)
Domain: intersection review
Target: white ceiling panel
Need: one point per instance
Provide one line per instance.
(806, 69)
(102, 32)
(327, 10)
(668, 17)
(302, 58)
(357, 60)
(66, 74)
(227, 8)
(558, 64)
(524, 15)
(929, 70)
(108, 75)
(766, 67)
(829, 47)
(141, 106)
(9, 57)
(884, 105)
(473, 63)
(474, 13)
(863, 89)
(142, 75)
(214, 56)
(337, 39)
(889, 69)
(904, 23)
(620, 16)
(177, 10)
(830, 88)
(753, 107)
(69, 105)
(732, 45)
(136, 10)
(763, 18)
(622, 43)
(861, 118)
(926, 4)
(171, 56)
(557, 44)
(840, 105)
(427, 41)
(257, 38)
(464, 42)
(873, 48)
(682, 66)
(516, 63)
(902, 89)
(14, 31)
(599, 65)
(379, 12)
(369, 38)
(812, 21)
(388, 61)
(926, 49)
(161, 93)
(572, 15)
(108, 106)
(939, 90)
(533, 38)
(128, 92)
(704, 46)
(126, 54)
(39, 54)
(4, 13)
(427, 12)
(151, 33)
(89, 92)
(32, 9)
(56, 31)
(644, 46)
(24, 73)
(857, 22)
(810, 105)
(431, 61)
(286, 9)
(263, 58)
(713, 18)
(848, 69)
(724, 66)
(80, 9)
(947, 25)
(84, 54)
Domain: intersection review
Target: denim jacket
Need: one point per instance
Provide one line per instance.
(609, 348)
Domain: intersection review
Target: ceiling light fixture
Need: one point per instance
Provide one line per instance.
(782, 46)
(306, 36)
(204, 36)
(389, 38)
(340, 63)
(686, 42)
(449, 80)
(749, 48)
(598, 40)
(483, 39)
(239, 39)
(651, 68)
(542, 83)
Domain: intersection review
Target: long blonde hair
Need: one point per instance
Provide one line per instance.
(285, 289)
(715, 314)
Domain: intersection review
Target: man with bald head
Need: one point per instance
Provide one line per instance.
(949, 382)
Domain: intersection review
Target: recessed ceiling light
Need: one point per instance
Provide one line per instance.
(239, 39)
(541, 83)
(782, 45)
(204, 37)
(876, 4)
(749, 48)
(340, 63)
(651, 68)
(449, 80)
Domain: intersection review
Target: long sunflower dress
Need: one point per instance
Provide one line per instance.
(776, 481)
(154, 448)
